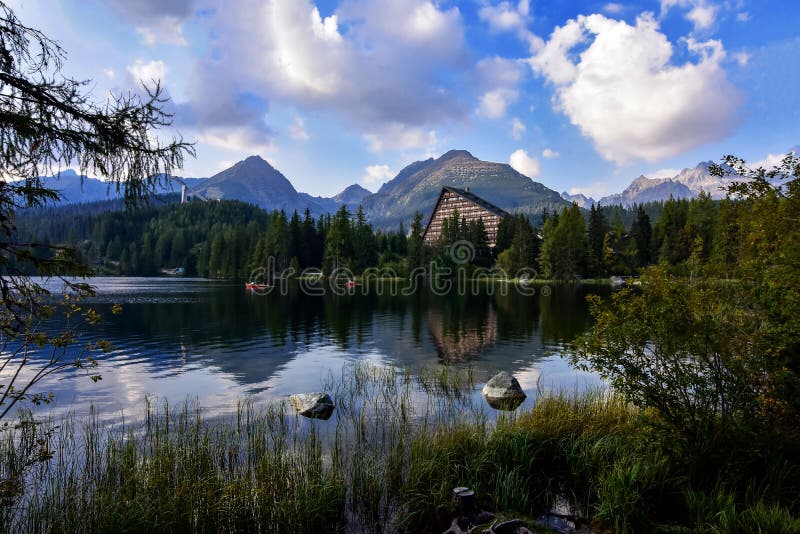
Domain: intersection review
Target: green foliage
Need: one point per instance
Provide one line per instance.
(714, 363)
(564, 245)
(696, 367)
(389, 459)
(517, 244)
(49, 121)
(597, 246)
(641, 236)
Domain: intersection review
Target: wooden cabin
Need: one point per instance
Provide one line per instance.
(470, 207)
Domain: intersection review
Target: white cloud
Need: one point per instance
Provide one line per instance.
(297, 130)
(381, 74)
(147, 73)
(553, 60)
(498, 78)
(216, 114)
(401, 137)
(375, 175)
(166, 30)
(156, 21)
(549, 153)
(493, 104)
(524, 164)
(613, 8)
(109, 73)
(238, 138)
(701, 13)
(499, 72)
(743, 16)
(742, 58)
(702, 16)
(626, 95)
(772, 160)
(664, 173)
(517, 129)
(508, 17)
(503, 17)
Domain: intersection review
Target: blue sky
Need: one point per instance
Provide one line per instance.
(581, 96)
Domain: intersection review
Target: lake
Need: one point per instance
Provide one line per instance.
(218, 343)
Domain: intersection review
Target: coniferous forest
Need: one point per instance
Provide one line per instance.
(679, 410)
(230, 239)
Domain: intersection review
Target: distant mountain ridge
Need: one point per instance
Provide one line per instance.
(414, 188)
(251, 180)
(686, 184)
(580, 199)
(255, 181)
(77, 188)
(700, 179)
(644, 189)
(417, 186)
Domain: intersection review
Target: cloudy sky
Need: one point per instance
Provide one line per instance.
(581, 96)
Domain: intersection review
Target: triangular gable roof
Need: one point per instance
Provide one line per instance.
(488, 206)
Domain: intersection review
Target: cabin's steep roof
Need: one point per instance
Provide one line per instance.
(477, 200)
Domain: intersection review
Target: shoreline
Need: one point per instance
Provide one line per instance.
(382, 460)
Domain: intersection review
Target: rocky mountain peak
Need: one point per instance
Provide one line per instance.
(416, 188)
(352, 194)
(456, 154)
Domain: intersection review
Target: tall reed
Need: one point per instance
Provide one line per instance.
(387, 461)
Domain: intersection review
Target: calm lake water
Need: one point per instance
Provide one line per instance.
(218, 343)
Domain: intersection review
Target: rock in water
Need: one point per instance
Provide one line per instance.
(503, 391)
(313, 405)
(508, 405)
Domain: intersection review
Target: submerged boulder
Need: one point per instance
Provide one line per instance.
(313, 405)
(503, 391)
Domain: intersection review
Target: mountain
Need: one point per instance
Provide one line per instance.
(700, 179)
(580, 199)
(644, 189)
(686, 184)
(353, 194)
(252, 180)
(77, 188)
(255, 181)
(417, 186)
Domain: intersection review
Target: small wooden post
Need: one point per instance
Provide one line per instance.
(464, 501)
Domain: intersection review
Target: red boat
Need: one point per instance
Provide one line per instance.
(255, 286)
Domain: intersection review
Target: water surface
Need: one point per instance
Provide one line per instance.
(218, 343)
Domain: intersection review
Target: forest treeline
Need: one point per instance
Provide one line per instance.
(230, 239)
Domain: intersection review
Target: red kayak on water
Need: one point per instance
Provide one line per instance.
(253, 285)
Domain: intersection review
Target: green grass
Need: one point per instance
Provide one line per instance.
(388, 461)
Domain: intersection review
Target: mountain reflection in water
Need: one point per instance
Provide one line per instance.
(213, 341)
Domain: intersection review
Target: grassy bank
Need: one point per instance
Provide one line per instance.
(387, 461)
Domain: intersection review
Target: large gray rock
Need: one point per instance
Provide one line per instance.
(313, 405)
(503, 390)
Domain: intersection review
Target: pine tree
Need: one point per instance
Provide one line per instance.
(641, 235)
(597, 234)
(416, 244)
(364, 244)
(727, 240)
(564, 247)
(338, 241)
